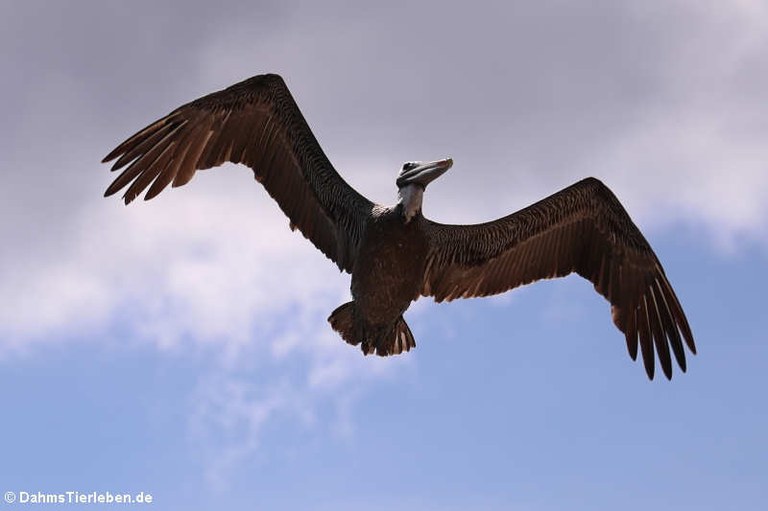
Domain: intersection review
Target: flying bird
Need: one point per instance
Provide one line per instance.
(395, 254)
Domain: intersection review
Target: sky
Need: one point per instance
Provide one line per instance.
(179, 347)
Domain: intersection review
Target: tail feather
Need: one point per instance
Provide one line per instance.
(382, 341)
(404, 340)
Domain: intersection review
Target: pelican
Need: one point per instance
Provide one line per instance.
(395, 254)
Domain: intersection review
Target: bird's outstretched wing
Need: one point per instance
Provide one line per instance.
(582, 229)
(255, 122)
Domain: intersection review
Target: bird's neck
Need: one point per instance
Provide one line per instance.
(410, 197)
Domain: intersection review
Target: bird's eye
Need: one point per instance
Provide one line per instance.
(409, 165)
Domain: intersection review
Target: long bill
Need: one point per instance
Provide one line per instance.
(425, 173)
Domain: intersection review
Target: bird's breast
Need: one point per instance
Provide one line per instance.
(389, 267)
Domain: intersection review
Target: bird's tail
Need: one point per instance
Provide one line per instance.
(382, 341)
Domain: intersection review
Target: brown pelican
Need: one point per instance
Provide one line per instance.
(394, 254)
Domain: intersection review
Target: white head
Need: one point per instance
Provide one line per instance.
(413, 180)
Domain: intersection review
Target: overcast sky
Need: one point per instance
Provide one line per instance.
(180, 347)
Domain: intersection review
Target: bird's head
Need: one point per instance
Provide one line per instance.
(413, 179)
(422, 173)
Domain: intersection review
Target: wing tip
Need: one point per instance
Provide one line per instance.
(111, 190)
(689, 342)
(650, 367)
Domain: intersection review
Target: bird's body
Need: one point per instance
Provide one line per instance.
(386, 278)
(395, 254)
(389, 266)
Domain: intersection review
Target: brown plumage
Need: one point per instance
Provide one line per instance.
(395, 254)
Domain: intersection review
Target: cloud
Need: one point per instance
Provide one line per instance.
(213, 270)
(200, 262)
(662, 101)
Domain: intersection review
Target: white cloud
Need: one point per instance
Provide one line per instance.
(207, 264)
(211, 268)
(688, 167)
